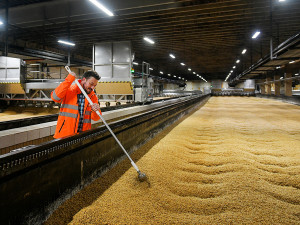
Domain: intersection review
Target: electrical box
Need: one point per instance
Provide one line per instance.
(12, 70)
(112, 60)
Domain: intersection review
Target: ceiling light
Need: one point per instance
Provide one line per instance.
(1, 23)
(102, 7)
(231, 71)
(194, 73)
(278, 67)
(149, 40)
(189, 69)
(161, 72)
(238, 61)
(179, 77)
(256, 34)
(135, 63)
(296, 74)
(66, 42)
(244, 51)
(291, 62)
(174, 76)
(182, 64)
(172, 56)
(281, 0)
(234, 67)
(150, 68)
(281, 78)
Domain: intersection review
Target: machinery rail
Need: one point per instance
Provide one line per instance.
(11, 124)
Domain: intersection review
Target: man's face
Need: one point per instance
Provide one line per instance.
(89, 84)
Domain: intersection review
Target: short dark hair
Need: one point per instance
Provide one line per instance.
(91, 73)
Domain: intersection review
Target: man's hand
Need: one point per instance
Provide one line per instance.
(95, 107)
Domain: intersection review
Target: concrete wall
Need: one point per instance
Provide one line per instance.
(247, 84)
(168, 86)
(57, 72)
(198, 85)
(217, 84)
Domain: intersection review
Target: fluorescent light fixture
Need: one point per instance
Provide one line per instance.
(34, 71)
(244, 51)
(149, 40)
(291, 62)
(234, 67)
(281, 78)
(161, 72)
(102, 7)
(150, 68)
(194, 72)
(1, 23)
(182, 64)
(231, 71)
(189, 69)
(256, 34)
(179, 77)
(172, 56)
(174, 76)
(66, 42)
(238, 61)
(296, 74)
(281, 0)
(34, 64)
(135, 63)
(278, 67)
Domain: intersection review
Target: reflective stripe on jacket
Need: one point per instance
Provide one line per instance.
(68, 118)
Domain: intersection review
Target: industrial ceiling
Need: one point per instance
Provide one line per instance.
(208, 36)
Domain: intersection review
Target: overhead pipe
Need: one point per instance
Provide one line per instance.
(6, 29)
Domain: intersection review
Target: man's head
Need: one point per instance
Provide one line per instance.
(90, 80)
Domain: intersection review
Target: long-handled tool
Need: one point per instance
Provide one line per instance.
(141, 176)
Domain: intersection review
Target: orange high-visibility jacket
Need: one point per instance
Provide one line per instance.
(66, 94)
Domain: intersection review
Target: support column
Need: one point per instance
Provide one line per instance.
(262, 87)
(277, 85)
(268, 86)
(288, 85)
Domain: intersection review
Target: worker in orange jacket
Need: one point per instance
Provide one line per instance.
(75, 111)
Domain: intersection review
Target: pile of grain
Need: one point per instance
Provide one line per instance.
(235, 161)
(15, 113)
